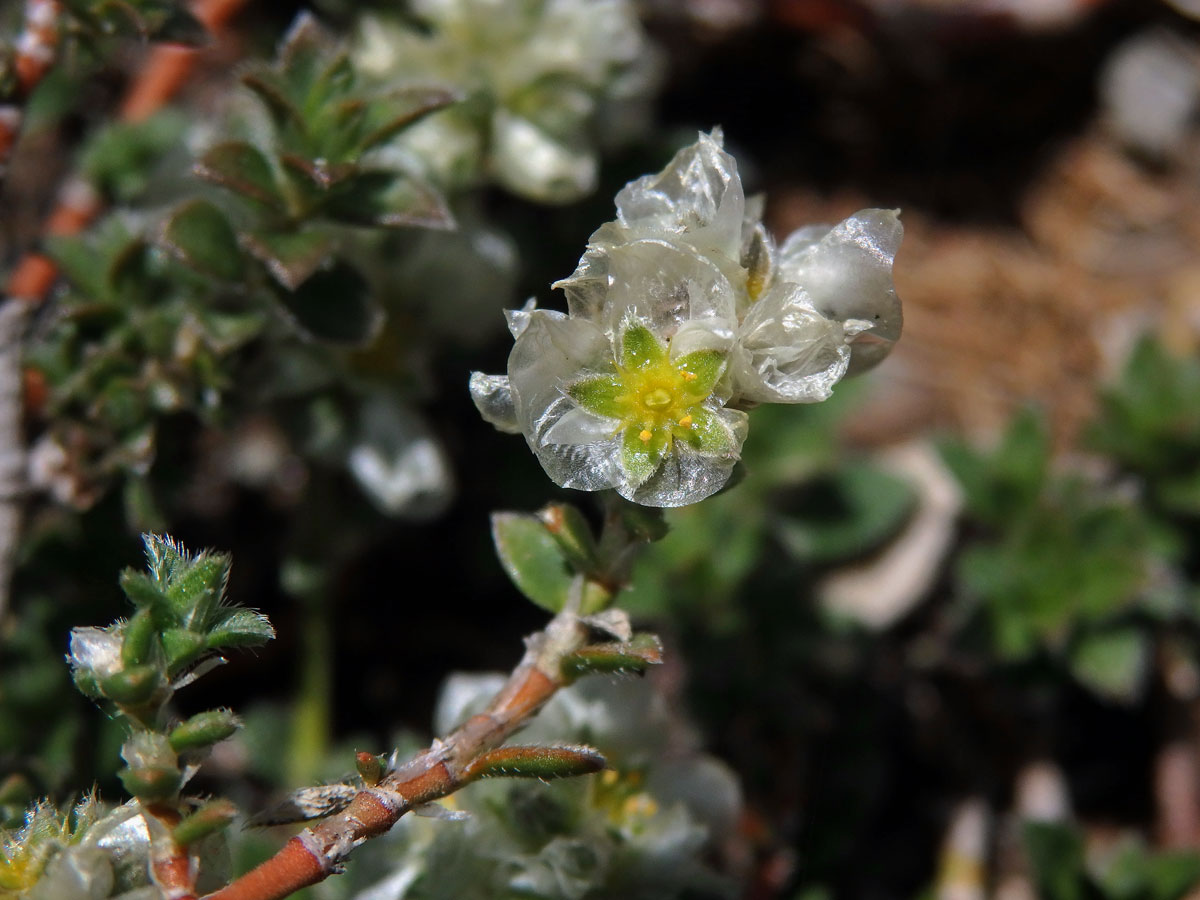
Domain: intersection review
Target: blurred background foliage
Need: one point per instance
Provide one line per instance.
(946, 628)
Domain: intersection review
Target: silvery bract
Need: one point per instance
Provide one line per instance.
(536, 79)
(682, 312)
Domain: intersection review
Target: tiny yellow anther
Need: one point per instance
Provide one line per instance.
(686, 421)
(688, 376)
(644, 436)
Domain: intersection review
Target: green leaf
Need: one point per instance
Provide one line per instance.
(240, 628)
(152, 784)
(182, 647)
(210, 818)
(1172, 875)
(1056, 858)
(1113, 663)
(120, 159)
(138, 639)
(640, 348)
(631, 657)
(241, 167)
(389, 200)
(533, 559)
(200, 235)
(132, 686)
(599, 395)
(203, 730)
(335, 305)
(544, 763)
(141, 589)
(570, 528)
(386, 116)
(291, 256)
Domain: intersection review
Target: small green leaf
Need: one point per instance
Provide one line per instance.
(389, 200)
(182, 648)
(544, 763)
(640, 348)
(203, 730)
(267, 86)
(242, 168)
(389, 115)
(291, 256)
(1172, 875)
(371, 767)
(632, 657)
(197, 585)
(132, 686)
(1113, 663)
(599, 395)
(533, 559)
(241, 628)
(208, 819)
(568, 526)
(141, 589)
(152, 784)
(1056, 857)
(199, 234)
(335, 305)
(139, 637)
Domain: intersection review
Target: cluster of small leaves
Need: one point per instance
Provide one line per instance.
(180, 621)
(1149, 425)
(1059, 564)
(1128, 871)
(138, 337)
(45, 832)
(317, 171)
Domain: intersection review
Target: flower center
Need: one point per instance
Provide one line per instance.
(658, 399)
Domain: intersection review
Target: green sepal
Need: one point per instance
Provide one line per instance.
(640, 348)
(196, 587)
(242, 168)
(544, 763)
(152, 784)
(708, 366)
(640, 459)
(132, 686)
(138, 638)
(199, 234)
(240, 628)
(387, 116)
(208, 819)
(630, 657)
(707, 433)
(599, 396)
(182, 647)
(203, 730)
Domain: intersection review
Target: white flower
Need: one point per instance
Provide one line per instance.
(681, 311)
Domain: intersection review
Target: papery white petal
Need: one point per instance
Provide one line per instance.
(699, 192)
(518, 319)
(786, 351)
(664, 285)
(848, 275)
(530, 162)
(552, 352)
(703, 334)
(493, 398)
(578, 426)
(687, 476)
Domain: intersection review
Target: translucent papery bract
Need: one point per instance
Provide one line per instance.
(493, 398)
(553, 351)
(786, 351)
(847, 273)
(686, 476)
(699, 193)
(658, 282)
(96, 650)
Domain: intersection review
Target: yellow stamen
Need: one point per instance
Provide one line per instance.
(688, 376)
(644, 436)
(686, 421)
